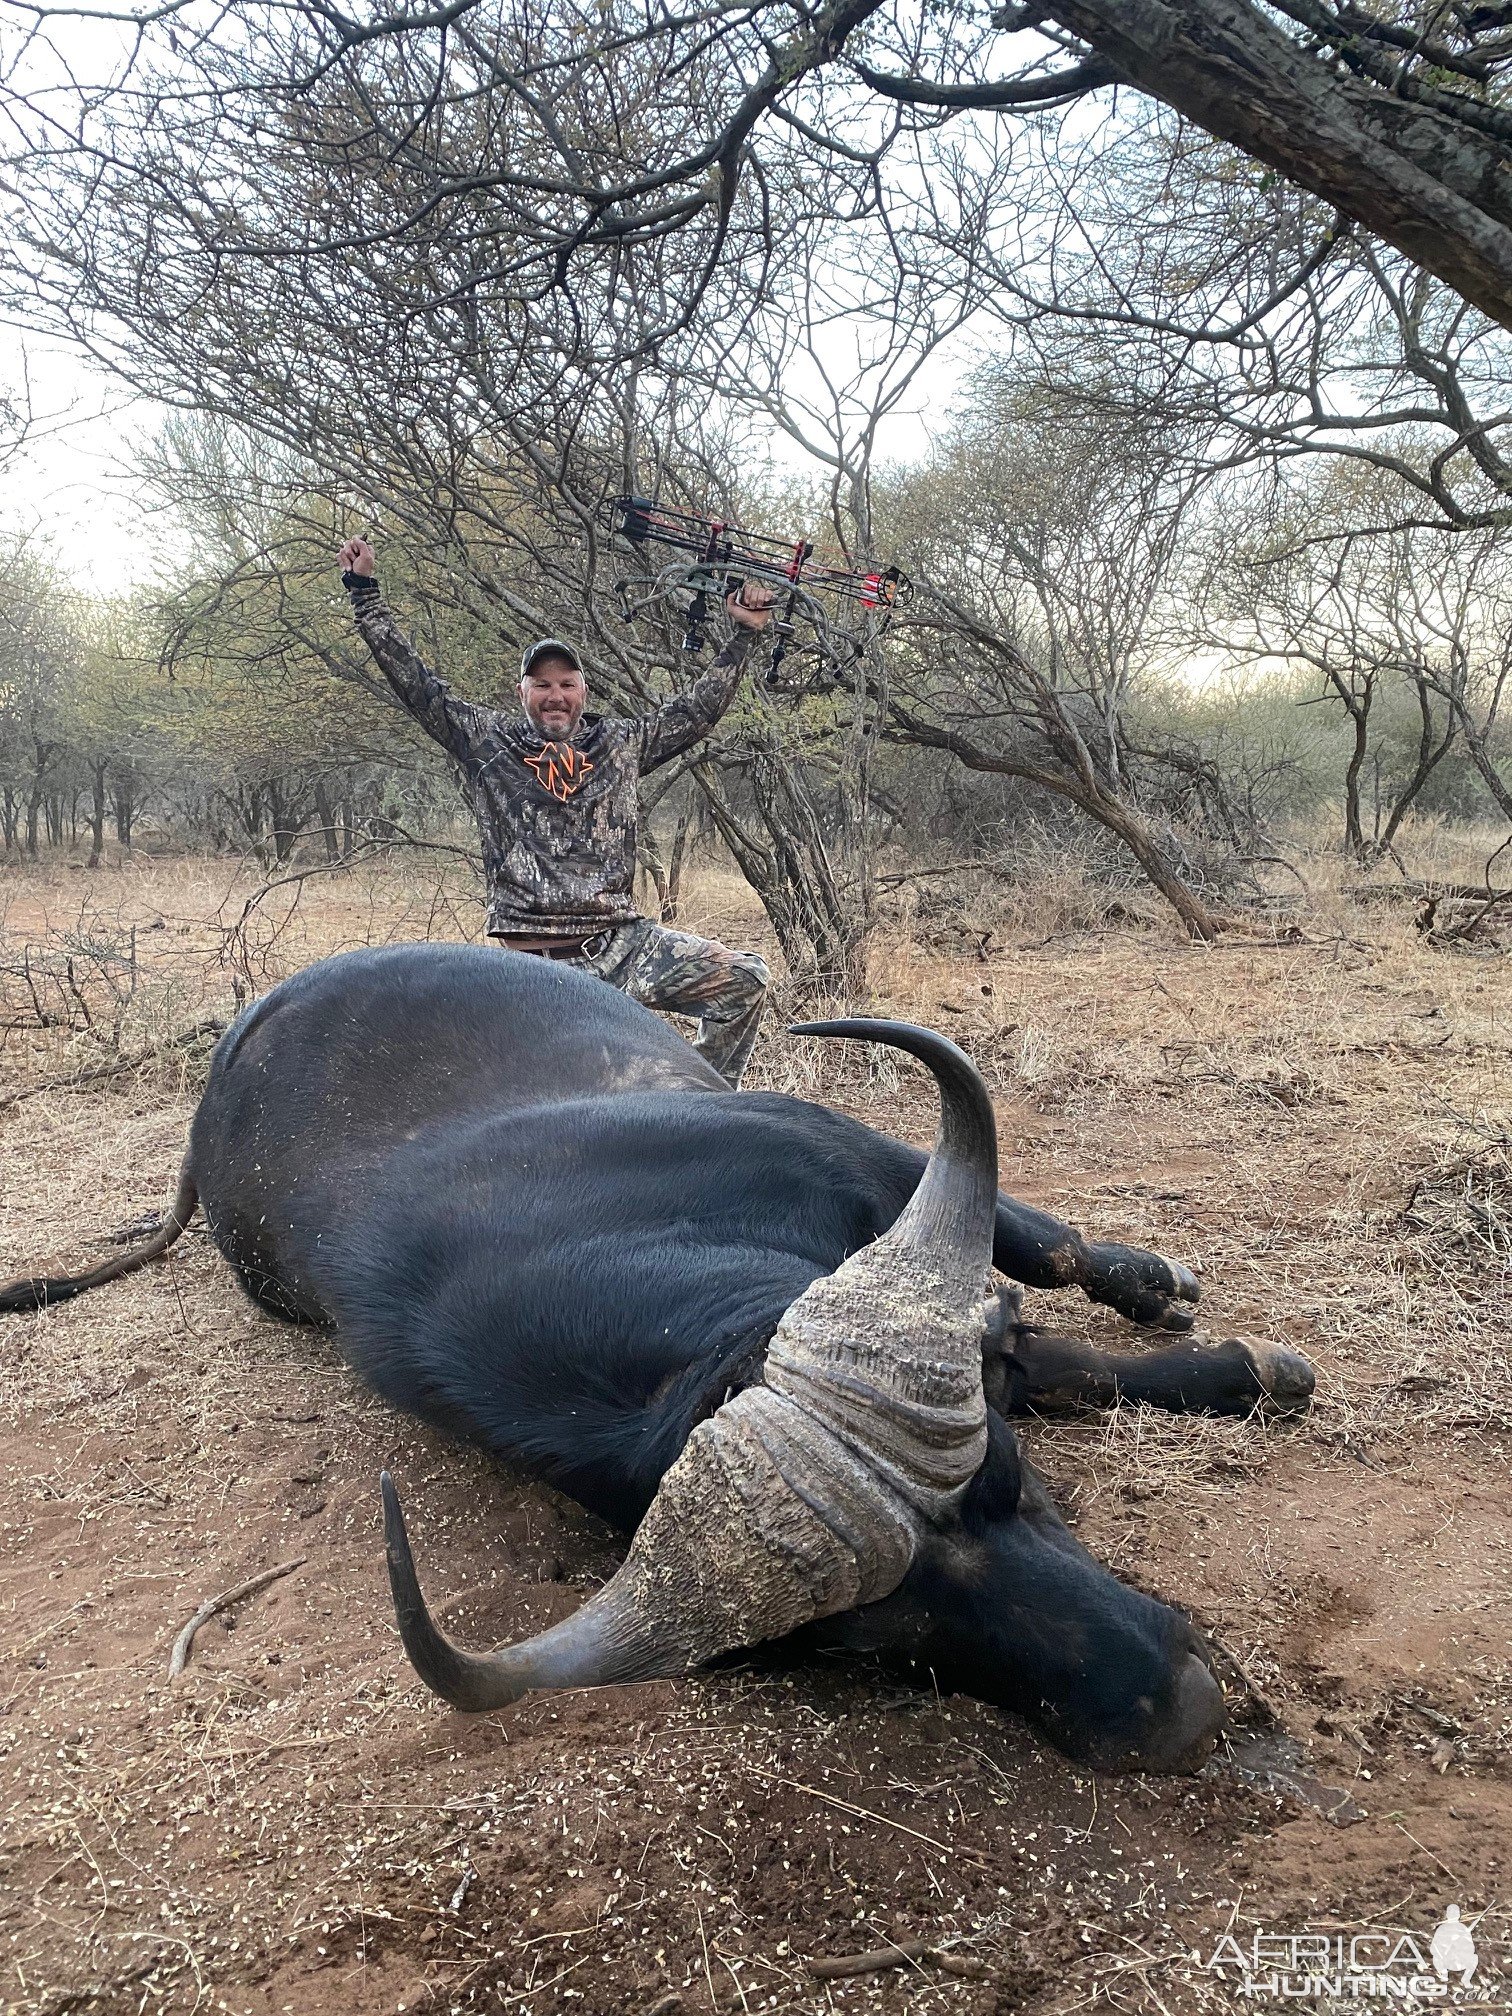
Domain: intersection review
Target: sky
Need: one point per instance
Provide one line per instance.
(72, 483)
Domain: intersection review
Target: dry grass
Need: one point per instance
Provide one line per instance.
(1320, 1127)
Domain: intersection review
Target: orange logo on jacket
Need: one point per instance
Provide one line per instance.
(560, 769)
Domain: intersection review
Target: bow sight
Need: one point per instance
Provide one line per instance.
(722, 557)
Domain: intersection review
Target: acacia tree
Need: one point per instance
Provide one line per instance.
(111, 723)
(1402, 619)
(1397, 122)
(40, 657)
(467, 262)
(1049, 557)
(581, 189)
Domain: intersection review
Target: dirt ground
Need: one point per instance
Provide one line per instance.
(296, 1826)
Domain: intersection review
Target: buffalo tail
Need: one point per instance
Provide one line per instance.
(37, 1291)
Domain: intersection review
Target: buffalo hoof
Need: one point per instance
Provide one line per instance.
(1146, 1287)
(1285, 1378)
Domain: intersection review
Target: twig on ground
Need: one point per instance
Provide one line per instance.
(703, 1941)
(183, 1645)
(1246, 1680)
(119, 1066)
(897, 1953)
(865, 1813)
(1431, 1716)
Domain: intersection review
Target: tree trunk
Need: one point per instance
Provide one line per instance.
(249, 805)
(1139, 837)
(1119, 817)
(326, 813)
(124, 801)
(278, 822)
(1428, 761)
(97, 815)
(1480, 756)
(1354, 832)
(822, 933)
(42, 754)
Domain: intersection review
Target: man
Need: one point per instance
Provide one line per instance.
(554, 791)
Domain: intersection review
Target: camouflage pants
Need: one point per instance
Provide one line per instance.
(684, 975)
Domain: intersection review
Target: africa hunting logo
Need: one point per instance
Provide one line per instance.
(560, 769)
(1332, 1969)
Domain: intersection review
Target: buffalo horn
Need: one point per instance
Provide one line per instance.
(808, 1493)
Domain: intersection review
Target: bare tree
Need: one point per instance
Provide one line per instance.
(597, 130)
(1403, 620)
(39, 669)
(456, 275)
(1049, 553)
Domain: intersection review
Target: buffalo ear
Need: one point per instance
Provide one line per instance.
(1005, 1382)
(993, 1494)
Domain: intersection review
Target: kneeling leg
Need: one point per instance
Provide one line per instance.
(1028, 1369)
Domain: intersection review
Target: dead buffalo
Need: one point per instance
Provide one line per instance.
(749, 1330)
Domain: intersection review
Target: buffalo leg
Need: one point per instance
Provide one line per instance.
(1042, 1252)
(1027, 1370)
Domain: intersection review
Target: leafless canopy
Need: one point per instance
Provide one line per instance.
(462, 270)
(528, 219)
(1395, 116)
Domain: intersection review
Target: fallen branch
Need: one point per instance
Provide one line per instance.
(119, 1066)
(875, 1962)
(183, 1645)
(1413, 885)
(901, 1953)
(923, 874)
(1448, 933)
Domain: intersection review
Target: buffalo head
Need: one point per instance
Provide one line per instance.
(861, 1489)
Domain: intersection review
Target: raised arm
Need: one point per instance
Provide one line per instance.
(453, 722)
(687, 717)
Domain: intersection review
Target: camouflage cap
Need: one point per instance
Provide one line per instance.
(547, 647)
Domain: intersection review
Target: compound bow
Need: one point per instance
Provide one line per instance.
(720, 557)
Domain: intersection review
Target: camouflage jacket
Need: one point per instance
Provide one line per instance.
(559, 819)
